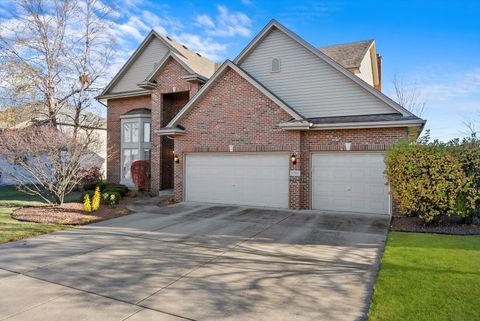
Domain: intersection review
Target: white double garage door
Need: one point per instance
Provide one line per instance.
(349, 182)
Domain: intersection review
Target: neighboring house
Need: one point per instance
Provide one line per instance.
(285, 124)
(27, 116)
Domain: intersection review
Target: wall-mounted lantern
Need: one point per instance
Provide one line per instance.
(293, 159)
(176, 159)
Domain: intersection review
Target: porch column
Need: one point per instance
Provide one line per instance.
(155, 163)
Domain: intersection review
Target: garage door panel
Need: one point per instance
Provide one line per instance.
(349, 182)
(252, 179)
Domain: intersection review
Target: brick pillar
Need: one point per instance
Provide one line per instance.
(156, 143)
(178, 174)
(305, 178)
(295, 182)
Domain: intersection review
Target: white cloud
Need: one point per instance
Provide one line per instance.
(247, 3)
(227, 24)
(205, 21)
(133, 27)
(451, 85)
(205, 46)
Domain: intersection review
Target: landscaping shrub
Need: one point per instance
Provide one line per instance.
(111, 198)
(467, 151)
(118, 188)
(96, 199)
(87, 206)
(141, 174)
(428, 180)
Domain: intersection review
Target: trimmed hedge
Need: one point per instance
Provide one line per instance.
(116, 188)
(433, 179)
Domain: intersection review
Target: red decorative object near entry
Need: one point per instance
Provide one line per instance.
(141, 174)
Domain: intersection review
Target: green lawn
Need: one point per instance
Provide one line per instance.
(11, 229)
(428, 277)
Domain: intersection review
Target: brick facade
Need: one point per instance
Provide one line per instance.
(116, 108)
(170, 81)
(234, 112)
(163, 109)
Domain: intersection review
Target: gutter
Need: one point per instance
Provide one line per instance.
(352, 125)
(124, 94)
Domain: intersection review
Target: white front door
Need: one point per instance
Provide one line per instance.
(259, 179)
(353, 182)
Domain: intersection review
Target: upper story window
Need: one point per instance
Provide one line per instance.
(130, 132)
(146, 132)
(276, 65)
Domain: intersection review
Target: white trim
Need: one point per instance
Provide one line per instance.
(124, 94)
(195, 77)
(275, 24)
(170, 131)
(372, 51)
(148, 85)
(382, 124)
(228, 64)
(140, 146)
(136, 116)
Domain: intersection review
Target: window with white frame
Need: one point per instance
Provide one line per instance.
(135, 142)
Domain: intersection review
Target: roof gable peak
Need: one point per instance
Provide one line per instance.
(223, 68)
(274, 24)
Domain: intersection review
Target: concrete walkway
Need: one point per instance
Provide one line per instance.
(197, 262)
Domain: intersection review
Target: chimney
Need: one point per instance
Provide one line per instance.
(379, 67)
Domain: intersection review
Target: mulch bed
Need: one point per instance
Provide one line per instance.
(446, 225)
(70, 213)
(168, 201)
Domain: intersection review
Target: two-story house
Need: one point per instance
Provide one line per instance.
(285, 124)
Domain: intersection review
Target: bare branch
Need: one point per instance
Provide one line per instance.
(409, 95)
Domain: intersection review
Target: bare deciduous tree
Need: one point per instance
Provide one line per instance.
(54, 53)
(409, 95)
(471, 125)
(48, 161)
(54, 56)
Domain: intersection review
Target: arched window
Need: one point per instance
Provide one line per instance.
(276, 65)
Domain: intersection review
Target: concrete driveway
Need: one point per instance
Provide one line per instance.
(197, 262)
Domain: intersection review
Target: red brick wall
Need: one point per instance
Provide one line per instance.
(170, 81)
(117, 107)
(234, 112)
(172, 103)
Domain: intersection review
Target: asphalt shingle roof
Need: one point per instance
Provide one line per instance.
(195, 61)
(349, 55)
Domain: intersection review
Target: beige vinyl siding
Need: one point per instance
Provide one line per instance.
(306, 82)
(366, 72)
(141, 67)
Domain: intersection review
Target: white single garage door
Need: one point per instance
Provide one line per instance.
(352, 182)
(259, 179)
